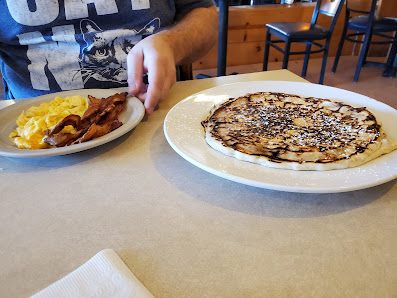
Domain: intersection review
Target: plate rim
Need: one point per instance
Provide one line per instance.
(267, 185)
(125, 128)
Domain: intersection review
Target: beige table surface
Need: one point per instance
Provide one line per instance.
(185, 232)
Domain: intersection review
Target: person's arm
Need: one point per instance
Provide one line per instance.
(158, 54)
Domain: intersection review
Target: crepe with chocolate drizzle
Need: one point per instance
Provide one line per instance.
(294, 132)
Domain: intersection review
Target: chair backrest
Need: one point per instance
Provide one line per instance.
(330, 8)
(261, 2)
(184, 72)
(362, 6)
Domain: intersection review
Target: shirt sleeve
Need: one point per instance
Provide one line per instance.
(185, 6)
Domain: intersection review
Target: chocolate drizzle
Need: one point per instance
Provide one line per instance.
(285, 127)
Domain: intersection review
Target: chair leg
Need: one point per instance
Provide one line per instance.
(306, 60)
(363, 53)
(324, 64)
(367, 49)
(340, 46)
(267, 48)
(390, 69)
(286, 54)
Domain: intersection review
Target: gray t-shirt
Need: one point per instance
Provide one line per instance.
(54, 45)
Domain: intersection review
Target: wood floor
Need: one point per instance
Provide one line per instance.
(371, 83)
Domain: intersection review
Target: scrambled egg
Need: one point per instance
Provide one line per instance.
(32, 125)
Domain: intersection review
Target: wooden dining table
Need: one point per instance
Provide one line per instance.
(185, 232)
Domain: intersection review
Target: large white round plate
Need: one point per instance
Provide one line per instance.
(131, 115)
(185, 134)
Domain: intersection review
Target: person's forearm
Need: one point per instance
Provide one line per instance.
(194, 35)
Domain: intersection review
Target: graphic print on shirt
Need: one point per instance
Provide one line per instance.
(64, 56)
(103, 57)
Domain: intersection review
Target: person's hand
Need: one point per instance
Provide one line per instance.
(154, 56)
(158, 54)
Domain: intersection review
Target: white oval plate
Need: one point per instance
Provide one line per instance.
(131, 115)
(183, 130)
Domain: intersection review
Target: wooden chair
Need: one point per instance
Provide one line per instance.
(365, 24)
(307, 33)
(184, 72)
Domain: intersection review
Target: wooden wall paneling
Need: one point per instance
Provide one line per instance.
(247, 28)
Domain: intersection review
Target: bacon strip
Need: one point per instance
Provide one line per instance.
(100, 118)
(71, 119)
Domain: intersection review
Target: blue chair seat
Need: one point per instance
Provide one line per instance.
(299, 30)
(360, 23)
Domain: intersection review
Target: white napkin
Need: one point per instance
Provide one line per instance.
(104, 275)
